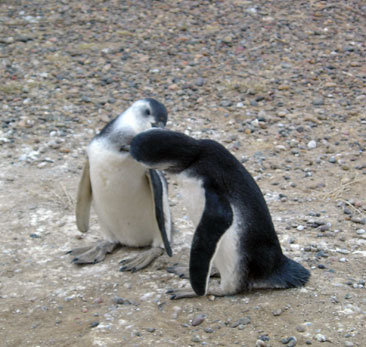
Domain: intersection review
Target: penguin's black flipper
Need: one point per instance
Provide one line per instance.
(84, 200)
(158, 185)
(217, 217)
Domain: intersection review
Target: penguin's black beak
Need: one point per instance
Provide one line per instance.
(158, 125)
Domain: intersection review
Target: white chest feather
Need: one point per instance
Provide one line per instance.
(193, 195)
(227, 259)
(122, 197)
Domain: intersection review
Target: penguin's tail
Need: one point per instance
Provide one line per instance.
(293, 274)
(289, 274)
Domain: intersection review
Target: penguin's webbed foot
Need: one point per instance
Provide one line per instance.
(140, 261)
(92, 254)
(176, 294)
(182, 271)
(183, 293)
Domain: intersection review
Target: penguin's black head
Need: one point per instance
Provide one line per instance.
(164, 150)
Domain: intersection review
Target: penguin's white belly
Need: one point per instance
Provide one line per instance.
(122, 198)
(227, 258)
(193, 196)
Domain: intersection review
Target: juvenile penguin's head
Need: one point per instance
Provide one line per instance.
(142, 115)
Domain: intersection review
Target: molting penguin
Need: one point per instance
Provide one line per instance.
(131, 201)
(234, 229)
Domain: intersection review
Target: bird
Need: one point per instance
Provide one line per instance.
(234, 232)
(130, 200)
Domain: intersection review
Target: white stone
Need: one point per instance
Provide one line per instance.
(320, 338)
(312, 144)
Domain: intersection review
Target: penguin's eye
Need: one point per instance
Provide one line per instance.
(147, 112)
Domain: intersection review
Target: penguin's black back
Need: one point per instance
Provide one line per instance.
(221, 171)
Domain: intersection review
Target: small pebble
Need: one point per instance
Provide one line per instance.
(98, 300)
(208, 330)
(289, 341)
(325, 227)
(118, 300)
(264, 337)
(358, 204)
(196, 338)
(300, 328)
(318, 102)
(285, 340)
(199, 82)
(150, 330)
(94, 324)
(241, 321)
(277, 312)
(332, 159)
(348, 344)
(359, 220)
(260, 343)
(312, 144)
(176, 312)
(197, 320)
(292, 343)
(347, 211)
(226, 103)
(320, 338)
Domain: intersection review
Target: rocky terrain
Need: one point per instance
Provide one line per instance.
(282, 84)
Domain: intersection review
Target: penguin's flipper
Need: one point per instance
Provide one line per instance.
(84, 199)
(216, 219)
(160, 199)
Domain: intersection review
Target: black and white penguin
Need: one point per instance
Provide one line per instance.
(131, 202)
(234, 230)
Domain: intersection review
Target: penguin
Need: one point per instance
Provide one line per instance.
(131, 202)
(234, 230)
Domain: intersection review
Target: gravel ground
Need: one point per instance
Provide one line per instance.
(282, 84)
